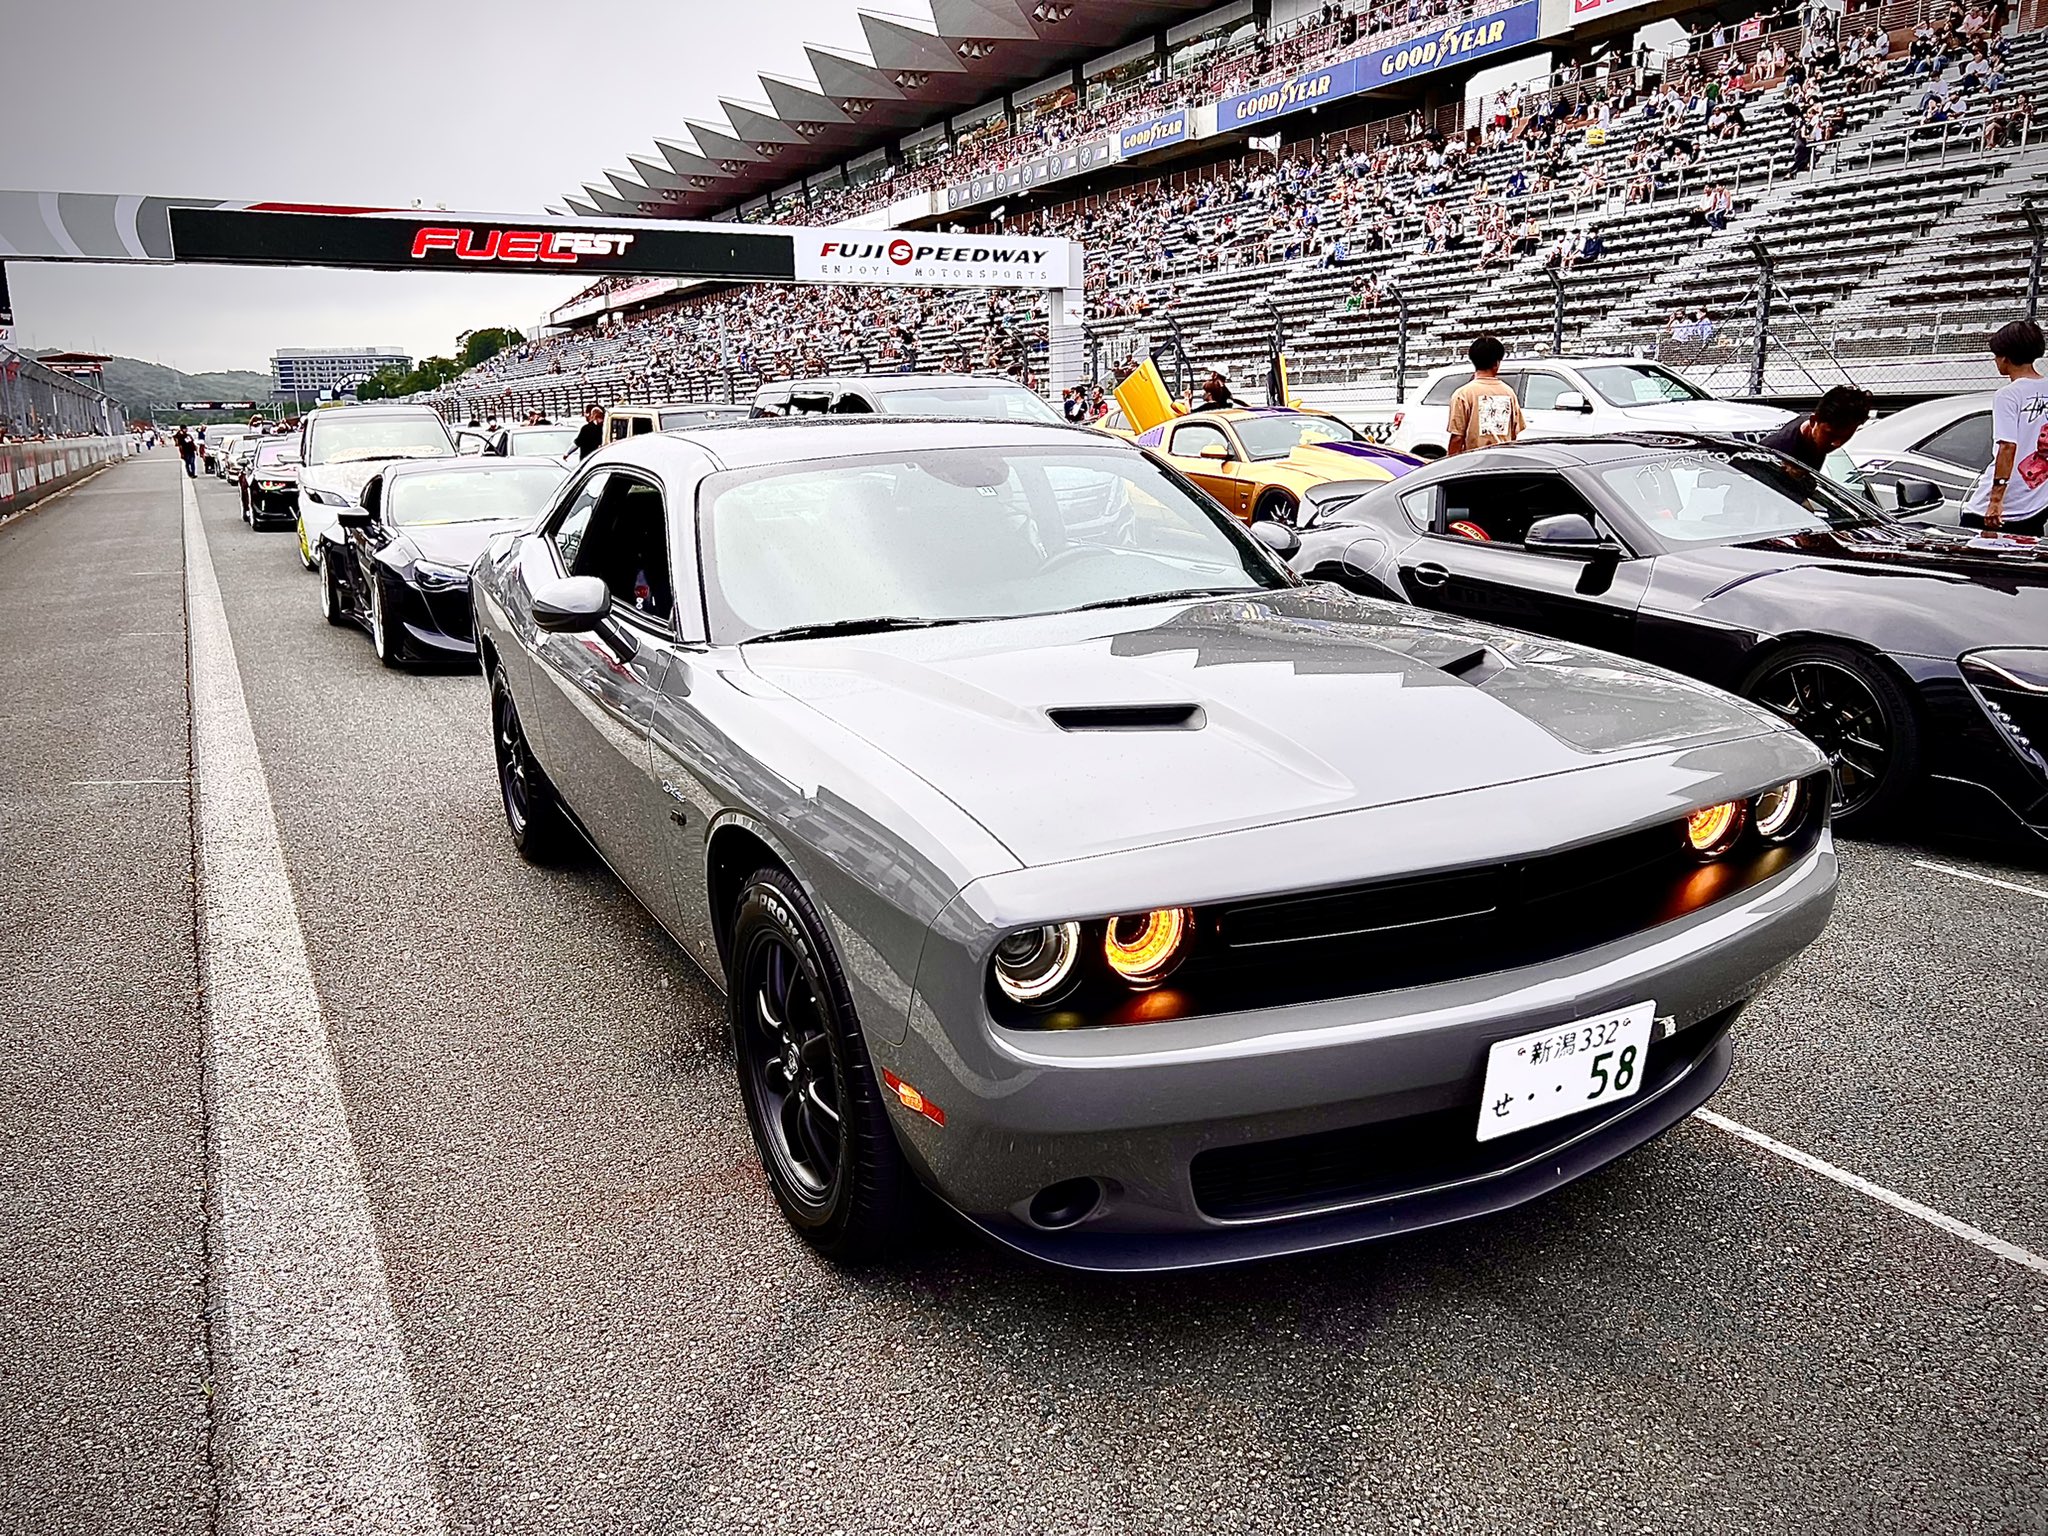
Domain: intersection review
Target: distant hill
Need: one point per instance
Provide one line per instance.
(137, 384)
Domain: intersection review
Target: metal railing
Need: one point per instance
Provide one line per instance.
(38, 402)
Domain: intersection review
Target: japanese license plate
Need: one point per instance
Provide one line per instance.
(1550, 1073)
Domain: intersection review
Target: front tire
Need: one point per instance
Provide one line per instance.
(332, 609)
(305, 549)
(382, 641)
(1848, 706)
(533, 813)
(814, 1100)
(1274, 507)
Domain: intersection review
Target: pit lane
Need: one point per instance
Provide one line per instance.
(606, 1325)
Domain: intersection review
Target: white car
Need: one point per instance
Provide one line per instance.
(341, 447)
(1578, 396)
(1946, 442)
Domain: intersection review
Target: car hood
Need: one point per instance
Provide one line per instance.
(457, 543)
(1308, 702)
(1707, 416)
(1349, 461)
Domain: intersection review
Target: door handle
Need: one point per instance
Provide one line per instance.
(1431, 574)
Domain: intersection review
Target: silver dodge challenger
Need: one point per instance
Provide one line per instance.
(1062, 854)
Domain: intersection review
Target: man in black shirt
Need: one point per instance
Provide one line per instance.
(1829, 425)
(590, 436)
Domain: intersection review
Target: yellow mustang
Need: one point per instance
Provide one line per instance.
(1260, 460)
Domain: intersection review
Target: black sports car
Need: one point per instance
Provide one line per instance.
(1911, 657)
(398, 562)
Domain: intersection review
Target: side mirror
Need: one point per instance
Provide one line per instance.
(1916, 494)
(573, 605)
(1213, 451)
(1572, 400)
(1279, 538)
(1566, 533)
(355, 517)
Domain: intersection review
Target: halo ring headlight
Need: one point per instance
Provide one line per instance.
(1712, 829)
(1144, 947)
(1034, 963)
(1777, 811)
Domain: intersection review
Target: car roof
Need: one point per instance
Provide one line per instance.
(1898, 429)
(800, 439)
(1570, 359)
(350, 412)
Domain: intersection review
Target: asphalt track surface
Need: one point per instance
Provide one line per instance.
(603, 1324)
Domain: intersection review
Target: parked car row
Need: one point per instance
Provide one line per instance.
(1479, 796)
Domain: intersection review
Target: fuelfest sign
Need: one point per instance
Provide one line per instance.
(1507, 28)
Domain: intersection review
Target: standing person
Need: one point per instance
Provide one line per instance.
(590, 436)
(1484, 412)
(1828, 426)
(2019, 431)
(188, 450)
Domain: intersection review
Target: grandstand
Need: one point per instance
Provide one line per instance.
(1627, 204)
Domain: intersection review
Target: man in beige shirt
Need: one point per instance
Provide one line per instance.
(1485, 412)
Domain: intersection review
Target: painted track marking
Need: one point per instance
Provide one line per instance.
(2011, 1252)
(1971, 874)
(316, 1429)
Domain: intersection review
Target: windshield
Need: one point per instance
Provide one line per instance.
(961, 533)
(269, 454)
(515, 493)
(674, 421)
(1276, 436)
(543, 442)
(339, 438)
(1639, 384)
(1699, 498)
(994, 401)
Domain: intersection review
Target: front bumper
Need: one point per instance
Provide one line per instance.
(1248, 1136)
(438, 622)
(1981, 779)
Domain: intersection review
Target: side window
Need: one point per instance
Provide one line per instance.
(1966, 443)
(851, 404)
(772, 404)
(1441, 391)
(616, 428)
(808, 402)
(574, 519)
(1420, 505)
(1498, 509)
(625, 545)
(642, 424)
(1540, 391)
(1190, 440)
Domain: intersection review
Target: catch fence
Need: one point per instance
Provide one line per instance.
(38, 402)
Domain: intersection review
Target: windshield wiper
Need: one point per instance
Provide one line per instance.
(873, 626)
(1165, 597)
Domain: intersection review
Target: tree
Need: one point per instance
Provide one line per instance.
(488, 343)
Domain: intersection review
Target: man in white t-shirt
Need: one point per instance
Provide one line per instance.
(2014, 485)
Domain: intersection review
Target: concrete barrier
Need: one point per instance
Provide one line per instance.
(31, 471)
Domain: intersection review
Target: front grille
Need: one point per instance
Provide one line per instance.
(1386, 1159)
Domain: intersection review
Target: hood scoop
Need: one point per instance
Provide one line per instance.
(1127, 717)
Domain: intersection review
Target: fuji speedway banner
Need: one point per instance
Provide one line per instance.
(928, 258)
(1507, 28)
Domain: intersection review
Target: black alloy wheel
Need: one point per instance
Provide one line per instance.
(382, 641)
(532, 813)
(814, 1102)
(1851, 709)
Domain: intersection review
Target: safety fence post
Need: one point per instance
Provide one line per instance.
(2037, 233)
(1556, 275)
(1760, 350)
(1400, 298)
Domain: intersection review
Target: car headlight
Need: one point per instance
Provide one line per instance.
(1711, 830)
(328, 498)
(1033, 964)
(438, 577)
(1144, 947)
(1777, 811)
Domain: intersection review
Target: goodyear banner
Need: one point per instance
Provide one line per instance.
(1155, 133)
(1515, 25)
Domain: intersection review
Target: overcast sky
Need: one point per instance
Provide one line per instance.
(487, 108)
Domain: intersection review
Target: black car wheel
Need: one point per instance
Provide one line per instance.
(1847, 705)
(1274, 507)
(382, 641)
(539, 829)
(812, 1097)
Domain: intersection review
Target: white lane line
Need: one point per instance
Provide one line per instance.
(1971, 874)
(2011, 1252)
(317, 1428)
(121, 783)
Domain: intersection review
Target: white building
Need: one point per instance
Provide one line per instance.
(308, 370)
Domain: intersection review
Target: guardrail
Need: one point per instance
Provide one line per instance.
(31, 471)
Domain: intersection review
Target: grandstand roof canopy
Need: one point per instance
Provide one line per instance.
(915, 73)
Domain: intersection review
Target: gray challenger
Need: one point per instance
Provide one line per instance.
(1148, 907)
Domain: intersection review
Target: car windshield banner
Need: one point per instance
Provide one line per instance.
(1156, 133)
(1506, 28)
